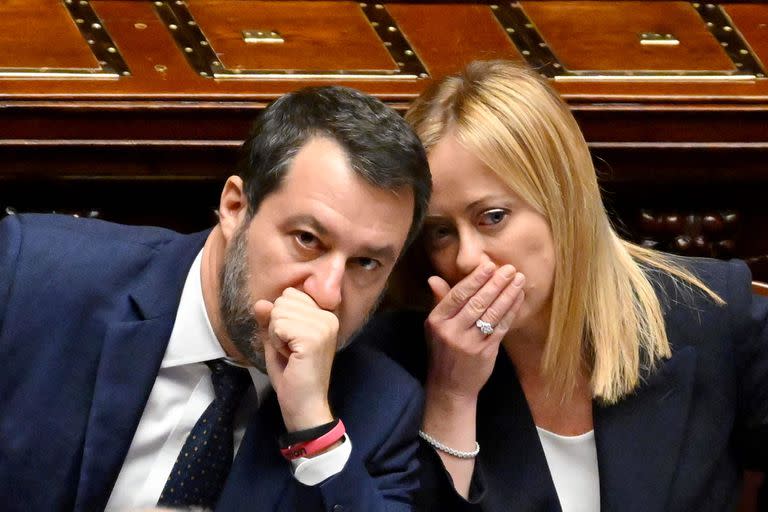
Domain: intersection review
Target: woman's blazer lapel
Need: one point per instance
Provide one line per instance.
(638, 441)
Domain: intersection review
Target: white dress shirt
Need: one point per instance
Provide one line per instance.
(181, 393)
(572, 462)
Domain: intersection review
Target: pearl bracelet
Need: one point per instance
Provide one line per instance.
(447, 449)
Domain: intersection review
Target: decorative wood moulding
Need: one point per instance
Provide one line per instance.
(519, 20)
(201, 52)
(111, 64)
(710, 234)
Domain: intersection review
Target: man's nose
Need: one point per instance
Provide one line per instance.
(324, 282)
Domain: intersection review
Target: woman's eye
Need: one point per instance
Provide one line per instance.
(437, 233)
(368, 263)
(493, 217)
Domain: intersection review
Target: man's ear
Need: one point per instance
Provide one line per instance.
(233, 207)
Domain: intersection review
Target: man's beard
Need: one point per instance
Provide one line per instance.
(236, 304)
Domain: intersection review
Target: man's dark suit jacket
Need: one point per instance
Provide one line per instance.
(677, 444)
(86, 311)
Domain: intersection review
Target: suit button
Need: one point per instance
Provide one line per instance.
(338, 508)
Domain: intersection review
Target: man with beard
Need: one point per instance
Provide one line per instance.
(126, 348)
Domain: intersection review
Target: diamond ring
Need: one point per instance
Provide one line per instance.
(485, 327)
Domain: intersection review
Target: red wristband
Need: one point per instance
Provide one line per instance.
(315, 446)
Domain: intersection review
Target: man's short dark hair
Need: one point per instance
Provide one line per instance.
(381, 147)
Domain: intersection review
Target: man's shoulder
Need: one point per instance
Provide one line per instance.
(65, 229)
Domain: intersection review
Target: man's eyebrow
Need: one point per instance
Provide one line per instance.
(309, 221)
(386, 252)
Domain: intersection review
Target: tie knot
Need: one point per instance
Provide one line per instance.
(229, 381)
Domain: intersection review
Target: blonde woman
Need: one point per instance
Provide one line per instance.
(566, 369)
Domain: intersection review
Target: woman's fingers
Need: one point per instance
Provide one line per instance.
(456, 299)
(477, 306)
(440, 288)
(504, 301)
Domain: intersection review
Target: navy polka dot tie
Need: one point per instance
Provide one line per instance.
(204, 462)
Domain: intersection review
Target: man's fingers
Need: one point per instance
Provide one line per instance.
(263, 309)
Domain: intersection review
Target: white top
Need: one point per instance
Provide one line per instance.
(181, 393)
(572, 463)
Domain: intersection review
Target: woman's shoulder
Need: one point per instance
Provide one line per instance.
(730, 280)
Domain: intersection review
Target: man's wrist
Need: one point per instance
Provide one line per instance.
(307, 418)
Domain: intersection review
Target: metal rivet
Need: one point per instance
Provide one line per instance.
(203, 73)
(215, 63)
(160, 68)
(696, 6)
(95, 26)
(172, 26)
(363, 5)
(400, 64)
(179, 2)
(760, 75)
(83, 2)
(510, 30)
(743, 51)
(557, 65)
(710, 6)
(387, 43)
(710, 24)
(724, 44)
(526, 52)
(203, 43)
(374, 23)
(139, 26)
(494, 7)
(102, 63)
(542, 45)
(126, 73)
(423, 75)
(91, 41)
(739, 64)
(392, 29)
(188, 49)
(379, 6)
(79, 20)
(68, 2)
(529, 25)
(238, 71)
(112, 49)
(159, 4)
(727, 28)
(409, 52)
(191, 23)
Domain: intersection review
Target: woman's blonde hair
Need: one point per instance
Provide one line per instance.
(606, 317)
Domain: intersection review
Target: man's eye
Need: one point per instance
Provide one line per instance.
(368, 263)
(493, 217)
(307, 240)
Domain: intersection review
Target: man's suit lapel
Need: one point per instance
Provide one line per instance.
(132, 351)
(259, 473)
(513, 460)
(639, 439)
